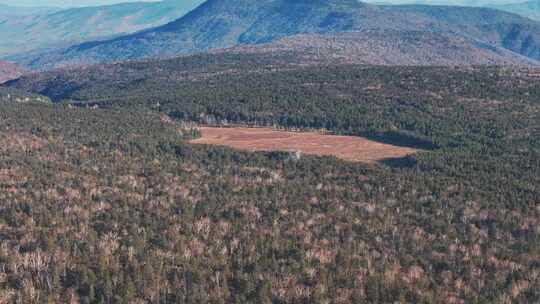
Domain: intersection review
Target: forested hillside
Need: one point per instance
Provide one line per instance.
(389, 47)
(8, 95)
(283, 89)
(109, 204)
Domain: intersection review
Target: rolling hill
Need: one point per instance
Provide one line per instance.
(223, 23)
(24, 30)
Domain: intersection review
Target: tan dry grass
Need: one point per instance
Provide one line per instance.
(349, 148)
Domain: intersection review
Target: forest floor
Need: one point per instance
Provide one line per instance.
(349, 148)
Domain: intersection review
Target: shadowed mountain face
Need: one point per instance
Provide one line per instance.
(227, 23)
(9, 71)
(23, 30)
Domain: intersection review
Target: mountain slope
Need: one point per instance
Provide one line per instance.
(22, 33)
(515, 33)
(9, 71)
(225, 23)
(530, 9)
(387, 47)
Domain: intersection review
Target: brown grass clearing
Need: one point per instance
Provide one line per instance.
(349, 148)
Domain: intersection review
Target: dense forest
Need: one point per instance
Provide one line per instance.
(431, 106)
(110, 204)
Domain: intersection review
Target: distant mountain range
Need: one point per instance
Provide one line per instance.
(226, 23)
(9, 71)
(9, 10)
(30, 29)
(476, 3)
(492, 27)
(530, 9)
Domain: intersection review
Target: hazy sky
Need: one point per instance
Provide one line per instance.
(73, 3)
